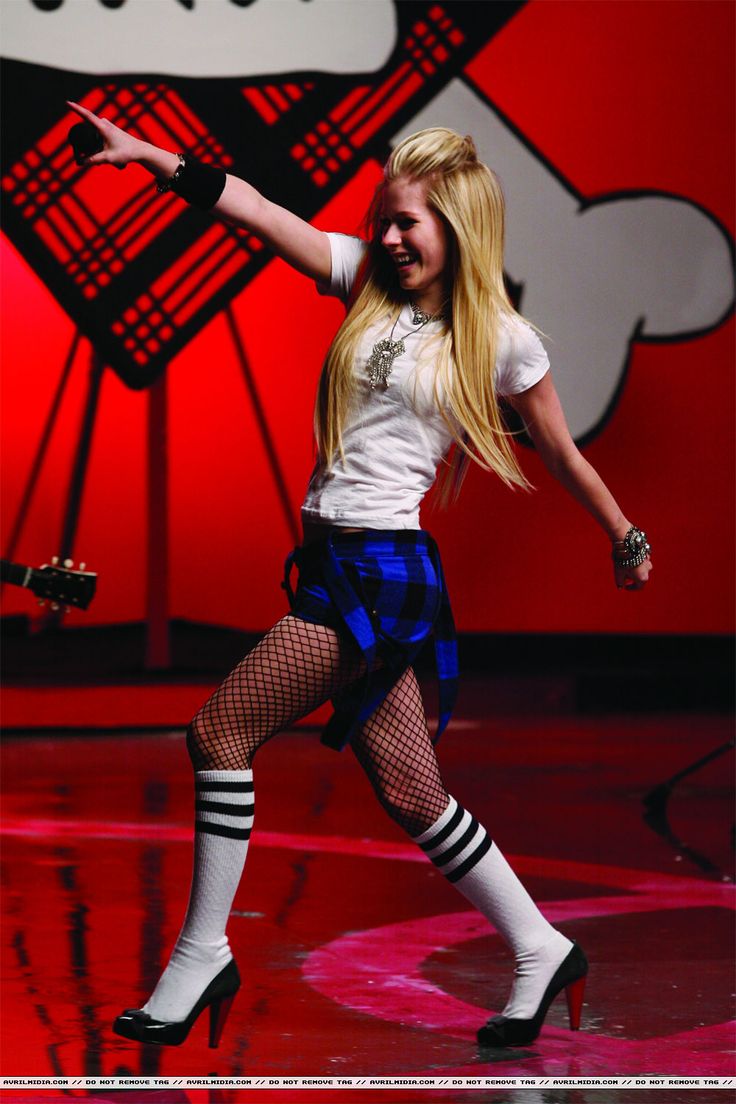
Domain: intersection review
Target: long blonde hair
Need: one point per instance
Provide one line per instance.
(468, 197)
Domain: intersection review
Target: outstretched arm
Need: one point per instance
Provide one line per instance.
(290, 237)
(545, 421)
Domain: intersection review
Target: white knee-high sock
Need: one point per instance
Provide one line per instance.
(464, 852)
(223, 823)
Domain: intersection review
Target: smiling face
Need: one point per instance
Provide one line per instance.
(416, 239)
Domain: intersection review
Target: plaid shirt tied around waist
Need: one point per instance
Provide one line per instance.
(386, 588)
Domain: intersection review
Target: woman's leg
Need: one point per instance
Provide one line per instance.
(397, 754)
(295, 668)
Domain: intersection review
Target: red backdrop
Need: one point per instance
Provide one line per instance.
(641, 102)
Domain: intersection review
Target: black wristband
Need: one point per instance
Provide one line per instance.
(199, 184)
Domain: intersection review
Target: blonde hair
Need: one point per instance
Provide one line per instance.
(468, 198)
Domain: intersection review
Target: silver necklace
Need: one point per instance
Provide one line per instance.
(385, 352)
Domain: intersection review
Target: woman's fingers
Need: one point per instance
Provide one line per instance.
(632, 578)
(94, 159)
(86, 114)
(119, 147)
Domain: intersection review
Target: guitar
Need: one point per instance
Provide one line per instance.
(53, 582)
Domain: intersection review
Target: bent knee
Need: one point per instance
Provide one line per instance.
(213, 748)
(199, 743)
(214, 744)
(411, 807)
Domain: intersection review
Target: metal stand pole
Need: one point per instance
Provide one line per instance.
(81, 460)
(158, 643)
(278, 476)
(20, 520)
(78, 474)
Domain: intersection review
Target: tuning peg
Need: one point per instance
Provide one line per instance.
(67, 609)
(40, 602)
(68, 563)
(54, 560)
(82, 566)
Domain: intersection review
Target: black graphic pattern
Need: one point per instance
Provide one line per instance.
(141, 274)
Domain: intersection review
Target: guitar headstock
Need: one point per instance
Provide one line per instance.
(59, 584)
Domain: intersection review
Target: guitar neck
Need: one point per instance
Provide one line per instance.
(18, 574)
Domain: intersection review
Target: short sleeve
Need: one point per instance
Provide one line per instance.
(347, 253)
(521, 359)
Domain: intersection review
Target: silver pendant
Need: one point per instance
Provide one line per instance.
(420, 317)
(381, 360)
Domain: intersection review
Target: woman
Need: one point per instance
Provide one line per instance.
(413, 376)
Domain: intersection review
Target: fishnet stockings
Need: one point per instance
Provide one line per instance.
(396, 752)
(295, 668)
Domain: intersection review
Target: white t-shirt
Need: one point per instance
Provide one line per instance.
(394, 437)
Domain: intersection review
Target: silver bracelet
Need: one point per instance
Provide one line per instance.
(632, 550)
(165, 185)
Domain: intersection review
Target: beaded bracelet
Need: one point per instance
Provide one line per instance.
(166, 185)
(197, 183)
(632, 550)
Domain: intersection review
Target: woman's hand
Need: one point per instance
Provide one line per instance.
(632, 578)
(119, 149)
(629, 545)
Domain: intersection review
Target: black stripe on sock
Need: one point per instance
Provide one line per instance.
(443, 833)
(461, 870)
(222, 830)
(223, 787)
(458, 846)
(224, 807)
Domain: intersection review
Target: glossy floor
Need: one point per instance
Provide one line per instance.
(357, 957)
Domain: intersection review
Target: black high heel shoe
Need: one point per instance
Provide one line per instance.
(219, 995)
(570, 976)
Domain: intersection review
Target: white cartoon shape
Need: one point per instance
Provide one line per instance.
(594, 277)
(212, 38)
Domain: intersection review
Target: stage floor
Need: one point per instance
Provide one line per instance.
(357, 958)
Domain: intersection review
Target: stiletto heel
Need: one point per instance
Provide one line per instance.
(219, 1012)
(219, 995)
(574, 994)
(570, 976)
